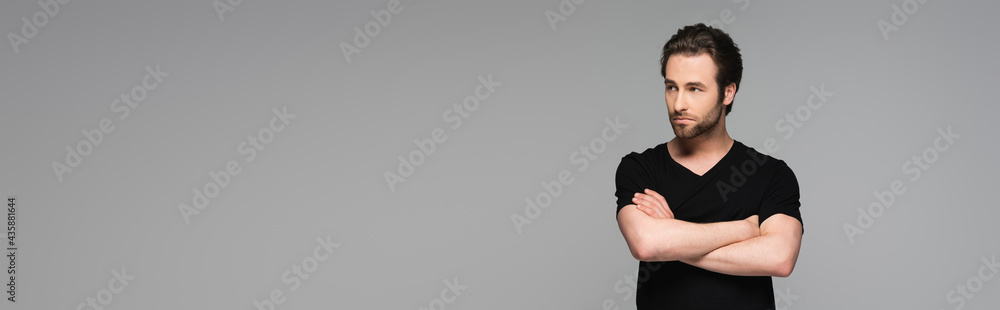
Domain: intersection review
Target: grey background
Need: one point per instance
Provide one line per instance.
(323, 175)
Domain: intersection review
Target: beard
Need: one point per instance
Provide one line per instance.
(702, 125)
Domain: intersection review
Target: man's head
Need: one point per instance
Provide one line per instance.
(702, 68)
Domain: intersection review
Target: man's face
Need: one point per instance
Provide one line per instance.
(692, 95)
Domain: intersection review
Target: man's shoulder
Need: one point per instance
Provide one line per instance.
(649, 153)
(751, 157)
(645, 160)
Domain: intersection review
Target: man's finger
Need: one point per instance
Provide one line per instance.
(648, 210)
(644, 210)
(655, 195)
(650, 205)
(645, 201)
(659, 203)
(661, 200)
(655, 208)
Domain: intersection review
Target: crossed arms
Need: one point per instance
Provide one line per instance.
(740, 248)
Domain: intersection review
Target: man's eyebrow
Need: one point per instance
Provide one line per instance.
(695, 84)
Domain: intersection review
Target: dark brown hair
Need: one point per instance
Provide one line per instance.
(696, 39)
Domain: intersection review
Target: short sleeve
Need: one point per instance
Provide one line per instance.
(782, 195)
(632, 177)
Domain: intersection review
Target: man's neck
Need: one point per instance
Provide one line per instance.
(711, 144)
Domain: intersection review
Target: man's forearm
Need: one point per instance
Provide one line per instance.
(773, 253)
(652, 239)
(746, 258)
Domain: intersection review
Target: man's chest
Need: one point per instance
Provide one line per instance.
(724, 194)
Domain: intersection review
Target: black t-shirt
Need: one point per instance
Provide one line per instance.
(743, 183)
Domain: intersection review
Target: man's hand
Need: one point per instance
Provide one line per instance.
(653, 205)
(773, 253)
(653, 234)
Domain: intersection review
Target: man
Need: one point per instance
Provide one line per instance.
(710, 219)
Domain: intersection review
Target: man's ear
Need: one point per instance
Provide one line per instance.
(730, 93)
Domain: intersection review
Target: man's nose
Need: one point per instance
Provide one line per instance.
(680, 102)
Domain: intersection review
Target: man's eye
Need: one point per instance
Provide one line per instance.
(695, 90)
(671, 87)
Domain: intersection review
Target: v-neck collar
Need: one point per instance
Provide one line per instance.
(710, 171)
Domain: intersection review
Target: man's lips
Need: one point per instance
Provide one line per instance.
(682, 120)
